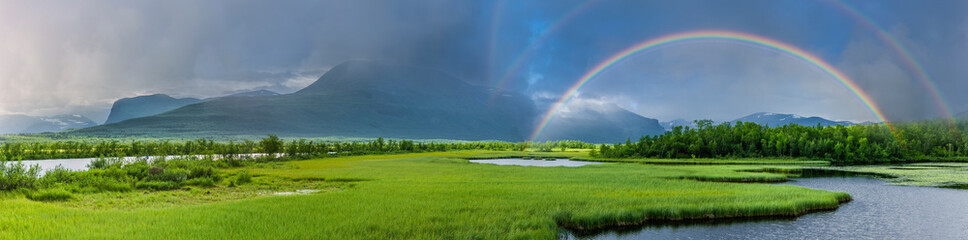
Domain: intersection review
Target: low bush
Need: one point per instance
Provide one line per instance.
(170, 175)
(158, 185)
(17, 175)
(201, 182)
(203, 172)
(242, 177)
(229, 162)
(105, 163)
(114, 175)
(95, 180)
(50, 195)
(138, 169)
(57, 176)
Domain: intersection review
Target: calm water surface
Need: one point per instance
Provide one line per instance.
(535, 162)
(878, 211)
(80, 164)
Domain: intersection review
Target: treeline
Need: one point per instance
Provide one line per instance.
(269, 145)
(910, 141)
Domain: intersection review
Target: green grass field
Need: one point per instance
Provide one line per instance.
(417, 196)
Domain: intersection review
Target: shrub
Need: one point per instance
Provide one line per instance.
(229, 162)
(95, 180)
(112, 185)
(155, 170)
(56, 176)
(105, 163)
(203, 172)
(158, 185)
(177, 175)
(242, 177)
(50, 195)
(137, 170)
(201, 182)
(17, 175)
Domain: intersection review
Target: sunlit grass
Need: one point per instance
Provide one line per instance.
(420, 196)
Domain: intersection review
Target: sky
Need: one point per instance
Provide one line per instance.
(73, 57)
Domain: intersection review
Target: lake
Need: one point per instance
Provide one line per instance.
(80, 164)
(878, 211)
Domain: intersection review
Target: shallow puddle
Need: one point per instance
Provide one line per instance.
(535, 162)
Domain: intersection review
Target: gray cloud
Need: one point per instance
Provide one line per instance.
(71, 57)
(58, 55)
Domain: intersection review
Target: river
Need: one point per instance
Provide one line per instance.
(878, 211)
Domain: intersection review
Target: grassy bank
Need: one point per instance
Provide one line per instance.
(940, 174)
(711, 161)
(422, 196)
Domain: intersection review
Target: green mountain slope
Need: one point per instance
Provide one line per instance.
(143, 106)
(361, 99)
(599, 123)
(354, 99)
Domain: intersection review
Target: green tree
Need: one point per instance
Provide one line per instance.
(271, 145)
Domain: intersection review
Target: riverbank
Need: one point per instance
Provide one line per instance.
(879, 210)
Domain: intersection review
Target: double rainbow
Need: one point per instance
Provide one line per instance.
(529, 50)
(904, 55)
(713, 35)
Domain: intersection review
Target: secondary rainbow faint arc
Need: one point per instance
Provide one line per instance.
(901, 51)
(713, 35)
(518, 61)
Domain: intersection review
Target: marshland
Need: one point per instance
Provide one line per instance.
(494, 119)
(406, 189)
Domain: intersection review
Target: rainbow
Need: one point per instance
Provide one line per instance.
(714, 35)
(902, 52)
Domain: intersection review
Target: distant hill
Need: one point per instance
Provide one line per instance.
(143, 106)
(678, 122)
(357, 99)
(366, 99)
(15, 124)
(605, 123)
(148, 105)
(779, 119)
(256, 93)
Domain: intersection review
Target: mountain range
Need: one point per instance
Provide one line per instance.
(368, 99)
(598, 123)
(678, 122)
(143, 106)
(16, 123)
(770, 119)
(780, 119)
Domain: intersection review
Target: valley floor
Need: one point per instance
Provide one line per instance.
(418, 196)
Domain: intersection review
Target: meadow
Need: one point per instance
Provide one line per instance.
(437, 195)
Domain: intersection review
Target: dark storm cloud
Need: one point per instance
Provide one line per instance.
(58, 54)
(67, 56)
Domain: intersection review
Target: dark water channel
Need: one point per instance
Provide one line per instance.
(878, 211)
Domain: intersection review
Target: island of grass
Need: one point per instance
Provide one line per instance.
(416, 196)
